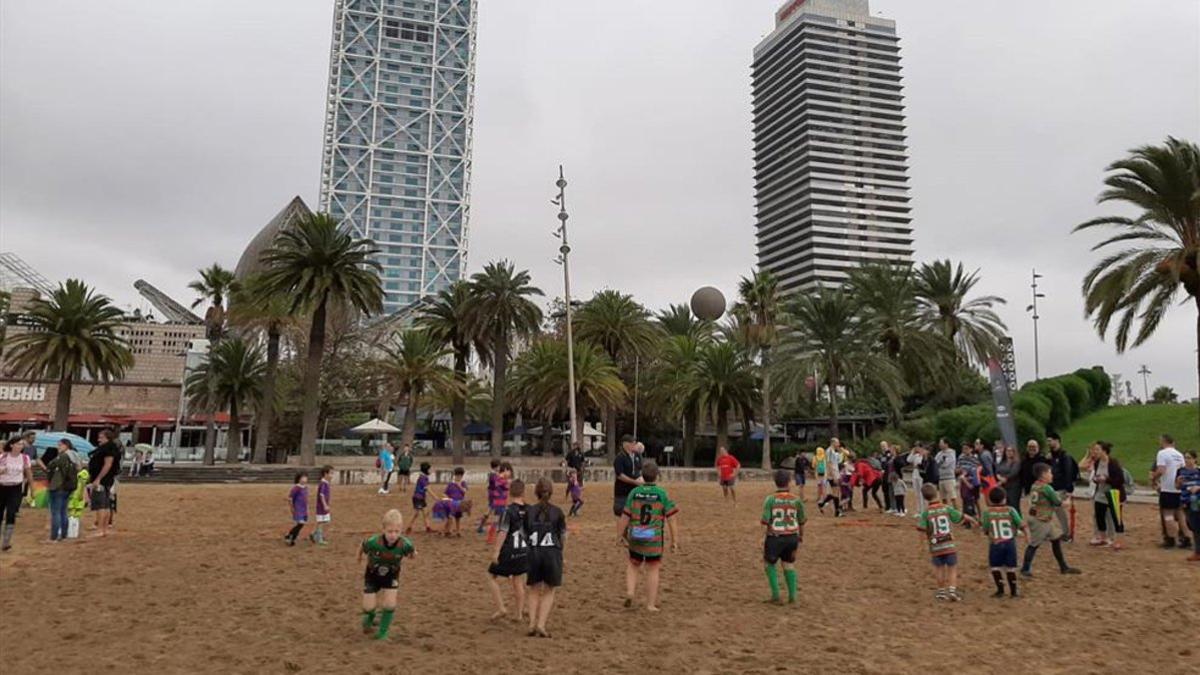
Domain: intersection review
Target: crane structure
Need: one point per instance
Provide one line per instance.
(172, 311)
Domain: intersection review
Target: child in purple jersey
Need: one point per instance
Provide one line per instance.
(298, 500)
(575, 490)
(420, 499)
(493, 474)
(323, 495)
(456, 493)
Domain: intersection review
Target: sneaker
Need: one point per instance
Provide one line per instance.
(941, 594)
(1026, 574)
(1167, 543)
(1015, 594)
(1070, 570)
(999, 593)
(1184, 542)
(955, 596)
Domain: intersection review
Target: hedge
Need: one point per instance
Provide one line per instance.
(957, 425)
(1060, 405)
(1078, 392)
(1034, 404)
(1099, 383)
(918, 428)
(1027, 427)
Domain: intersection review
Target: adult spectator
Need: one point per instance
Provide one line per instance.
(1188, 482)
(1009, 471)
(1166, 468)
(801, 467)
(885, 465)
(16, 471)
(987, 458)
(923, 471)
(404, 463)
(627, 470)
(103, 465)
(947, 462)
(47, 456)
(1066, 475)
(1033, 456)
(575, 459)
(61, 478)
(1107, 478)
(969, 467)
(727, 473)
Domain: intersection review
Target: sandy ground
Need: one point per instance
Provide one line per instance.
(198, 580)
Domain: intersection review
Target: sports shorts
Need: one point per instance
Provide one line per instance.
(1040, 531)
(323, 518)
(948, 489)
(948, 560)
(800, 478)
(619, 505)
(383, 578)
(728, 482)
(418, 502)
(100, 498)
(512, 567)
(1002, 554)
(639, 558)
(403, 472)
(1169, 500)
(780, 547)
(545, 567)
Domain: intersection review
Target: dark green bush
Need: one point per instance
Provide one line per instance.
(1078, 392)
(958, 424)
(989, 431)
(1034, 404)
(1060, 405)
(1099, 383)
(918, 429)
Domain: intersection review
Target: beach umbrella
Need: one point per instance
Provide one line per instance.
(48, 439)
(375, 426)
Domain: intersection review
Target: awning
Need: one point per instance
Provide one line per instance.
(23, 418)
(151, 419)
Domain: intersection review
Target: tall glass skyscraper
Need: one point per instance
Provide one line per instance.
(830, 154)
(397, 158)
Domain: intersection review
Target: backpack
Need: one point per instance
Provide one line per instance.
(70, 475)
(1129, 484)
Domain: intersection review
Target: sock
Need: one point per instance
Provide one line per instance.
(1056, 548)
(385, 622)
(368, 618)
(1012, 582)
(295, 531)
(491, 534)
(1027, 564)
(999, 583)
(8, 532)
(773, 580)
(790, 577)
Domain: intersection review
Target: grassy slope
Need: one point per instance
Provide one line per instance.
(1133, 431)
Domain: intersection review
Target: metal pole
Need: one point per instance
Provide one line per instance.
(1144, 372)
(564, 253)
(1037, 369)
(637, 360)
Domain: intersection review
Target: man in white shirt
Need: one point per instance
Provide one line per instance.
(1166, 467)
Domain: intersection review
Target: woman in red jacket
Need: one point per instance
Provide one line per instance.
(871, 481)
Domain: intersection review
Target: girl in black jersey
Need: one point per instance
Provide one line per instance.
(546, 528)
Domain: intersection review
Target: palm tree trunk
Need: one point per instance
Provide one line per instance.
(689, 436)
(722, 427)
(312, 386)
(410, 420)
(1195, 534)
(746, 431)
(458, 409)
(210, 438)
(833, 408)
(500, 351)
(233, 444)
(62, 403)
(766, 409)
(266, 407)
(610, 432)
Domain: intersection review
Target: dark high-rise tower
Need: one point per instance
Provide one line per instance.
(830, 159)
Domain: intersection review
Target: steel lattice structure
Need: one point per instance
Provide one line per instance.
(15, 272)
(397, 153)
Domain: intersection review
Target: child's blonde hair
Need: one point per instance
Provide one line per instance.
(393, 517)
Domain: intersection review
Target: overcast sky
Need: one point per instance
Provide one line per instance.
(148, 138)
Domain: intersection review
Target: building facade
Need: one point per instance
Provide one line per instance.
(397, 148)
(830, 153)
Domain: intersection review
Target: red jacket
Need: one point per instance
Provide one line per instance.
(865, 474)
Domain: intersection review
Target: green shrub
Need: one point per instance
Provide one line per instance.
(1027, 427)
(869, 445)
(1034, 404)
(1099, 383)
(959, 424)
(918, 429)
(1060, 405)
(1078, 392)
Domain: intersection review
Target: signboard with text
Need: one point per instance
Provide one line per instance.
(19, 392)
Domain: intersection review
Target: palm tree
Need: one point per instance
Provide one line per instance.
(673, 385)
(540, 381)
(758, 314)
(971, 323)
(722, 381)
(825, 345)
(1140, 282)
(253, 309)
(891, 315)
(316, 263)
(500, 310)
(447, 318)
(230, 378)
(620, 326)
(215, 285)
(414, 367)
(73, 332)
(679, 320)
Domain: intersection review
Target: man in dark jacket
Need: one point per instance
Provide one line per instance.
(1066, 474)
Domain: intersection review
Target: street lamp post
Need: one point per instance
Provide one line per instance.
(1037, 369)
(1145, 373)
(564, 252)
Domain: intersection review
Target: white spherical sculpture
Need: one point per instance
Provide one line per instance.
(708, 303)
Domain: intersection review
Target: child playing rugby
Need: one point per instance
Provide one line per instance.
(498, 497)
(298, 500)
(510, 554)
(1001, 523)
(456, 492)
(419, 503)
(381, 579)
(1044, 503)
(575, 491)
(783, 518)
(493, 474)
(648, 512)
(323, 495)
(934, 522)
(546, 528)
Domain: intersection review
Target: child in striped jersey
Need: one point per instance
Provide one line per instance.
(783, 517)
(648, 516)
(934, 522)
(1001, 523)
